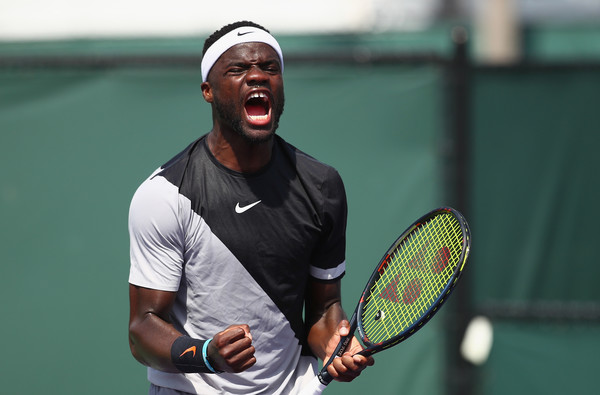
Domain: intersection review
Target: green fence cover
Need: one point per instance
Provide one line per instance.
(535, 184)
(76, 142)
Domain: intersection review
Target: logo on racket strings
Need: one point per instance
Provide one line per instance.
(418, 265)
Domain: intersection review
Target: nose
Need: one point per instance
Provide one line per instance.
(256, 76)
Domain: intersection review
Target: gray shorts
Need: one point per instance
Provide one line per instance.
(156, 390)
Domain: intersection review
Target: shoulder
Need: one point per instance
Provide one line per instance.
(174, 170)
(157, 200)
(309, 167)
(154, 202)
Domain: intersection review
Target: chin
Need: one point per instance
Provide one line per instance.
(256, 135)
(259, 137)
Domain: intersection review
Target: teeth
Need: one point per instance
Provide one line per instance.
(257, 95)
(259, 117)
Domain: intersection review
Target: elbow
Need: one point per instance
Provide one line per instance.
(133, 345)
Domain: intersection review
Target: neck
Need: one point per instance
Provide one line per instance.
(237, 153)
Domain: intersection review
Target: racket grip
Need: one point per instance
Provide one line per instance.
(324, 377)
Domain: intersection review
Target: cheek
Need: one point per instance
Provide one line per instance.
(226, 94)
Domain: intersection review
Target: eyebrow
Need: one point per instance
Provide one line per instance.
(244, 64)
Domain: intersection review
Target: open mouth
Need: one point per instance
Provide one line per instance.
(258, 108)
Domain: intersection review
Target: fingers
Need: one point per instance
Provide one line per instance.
(236, 332)
(231, 350)
(350, 364)
(348, 367)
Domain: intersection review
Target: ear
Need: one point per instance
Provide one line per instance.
(207, 92)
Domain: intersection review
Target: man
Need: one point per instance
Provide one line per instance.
(233, 237)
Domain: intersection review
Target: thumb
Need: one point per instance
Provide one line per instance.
(344, 328)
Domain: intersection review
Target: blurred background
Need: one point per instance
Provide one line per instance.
(487, 106)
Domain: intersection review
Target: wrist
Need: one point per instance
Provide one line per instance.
(206, 359)
(190, 355)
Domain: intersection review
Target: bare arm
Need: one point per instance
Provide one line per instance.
(151, 335)
(150, 332)
(324, 313)
(327, 322)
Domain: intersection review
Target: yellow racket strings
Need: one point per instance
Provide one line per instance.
(419, 269)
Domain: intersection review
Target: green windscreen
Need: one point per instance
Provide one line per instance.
(77, 140)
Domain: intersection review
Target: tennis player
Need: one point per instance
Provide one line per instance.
(235, 236)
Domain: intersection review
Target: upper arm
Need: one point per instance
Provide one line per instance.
(157, 240)
(143, 301)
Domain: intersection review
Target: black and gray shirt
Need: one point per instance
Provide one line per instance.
(238, 249)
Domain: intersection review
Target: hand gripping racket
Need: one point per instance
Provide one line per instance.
(413, 279)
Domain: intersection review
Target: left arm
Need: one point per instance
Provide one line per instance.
(327, 322)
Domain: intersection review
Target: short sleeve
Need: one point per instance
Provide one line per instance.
(156, 236)
(329, 259)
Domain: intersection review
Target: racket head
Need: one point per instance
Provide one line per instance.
(413, 279)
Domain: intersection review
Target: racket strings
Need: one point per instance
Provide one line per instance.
(420, 267)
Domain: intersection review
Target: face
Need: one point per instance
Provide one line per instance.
(246, 87)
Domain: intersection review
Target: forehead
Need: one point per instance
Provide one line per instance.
(249, 52)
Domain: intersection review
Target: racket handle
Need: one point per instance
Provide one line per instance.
(321, 380)
(324, 378)
(318, 384)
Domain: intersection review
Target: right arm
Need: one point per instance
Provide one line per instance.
(156, 244)
(151, 335)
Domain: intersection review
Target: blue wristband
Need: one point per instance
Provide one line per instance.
(205, 356)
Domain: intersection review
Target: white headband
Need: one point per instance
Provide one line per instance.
(248, 34)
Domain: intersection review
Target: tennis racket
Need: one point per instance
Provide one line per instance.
(413, 279)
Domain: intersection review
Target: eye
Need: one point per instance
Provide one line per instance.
(272, 68)
(236, 70)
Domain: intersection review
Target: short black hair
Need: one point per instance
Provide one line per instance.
(226, 29)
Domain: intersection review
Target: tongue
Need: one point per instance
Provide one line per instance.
(255, 110)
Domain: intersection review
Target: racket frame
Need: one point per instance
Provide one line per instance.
(355, 323)
(372, 348)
